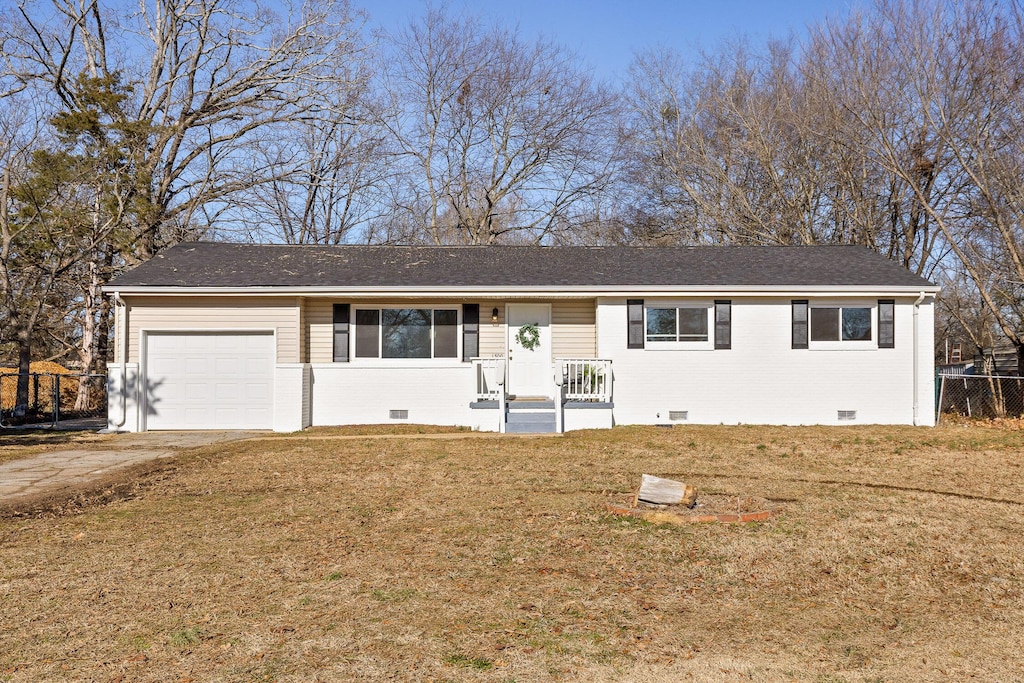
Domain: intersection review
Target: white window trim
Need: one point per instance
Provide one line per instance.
(709, 309)
(840, 345)
(404, 362)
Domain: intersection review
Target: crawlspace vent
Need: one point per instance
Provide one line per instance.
(677, 415)
(398, 414)
(847, 414)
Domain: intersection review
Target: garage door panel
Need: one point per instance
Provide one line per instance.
(231, 367)
(197, 366)
(229, 415)
(199, 344)
(252, 365)
(257, 391)
(189, 416)
(198, 391)
(210, 380)
(227, 391)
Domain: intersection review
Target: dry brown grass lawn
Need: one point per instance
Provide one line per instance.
(897, 557)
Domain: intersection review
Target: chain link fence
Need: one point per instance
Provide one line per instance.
(982, 396)
(54, 400)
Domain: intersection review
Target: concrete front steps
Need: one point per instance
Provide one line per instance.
(530, 416)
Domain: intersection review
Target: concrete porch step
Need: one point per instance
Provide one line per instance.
(516, 428)
(530, 404)
(530, 416)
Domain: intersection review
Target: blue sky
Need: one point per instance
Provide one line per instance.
(606, 33)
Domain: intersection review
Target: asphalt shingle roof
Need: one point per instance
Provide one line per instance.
(209, 264)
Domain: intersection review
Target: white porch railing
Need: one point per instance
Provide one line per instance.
(489, 375)
(586, 379)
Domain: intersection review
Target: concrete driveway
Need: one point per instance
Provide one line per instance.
(46, 474)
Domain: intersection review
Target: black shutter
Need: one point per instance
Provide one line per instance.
(341, 312)
(635, 323)
(800, 324)
(470, 331)
(723, 324)
(886, 324)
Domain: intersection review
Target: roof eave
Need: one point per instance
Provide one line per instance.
(553, 291)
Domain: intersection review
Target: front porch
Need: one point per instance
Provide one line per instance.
(578, 396)
(468, 366)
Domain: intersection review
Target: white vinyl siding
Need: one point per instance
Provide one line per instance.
(280, 315)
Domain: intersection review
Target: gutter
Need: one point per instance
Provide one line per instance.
(118, 301)
(917, 353)
(527, 291)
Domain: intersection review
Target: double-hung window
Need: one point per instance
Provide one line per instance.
(406, 333)
(841, 324)
(835, 326)
(677, 326)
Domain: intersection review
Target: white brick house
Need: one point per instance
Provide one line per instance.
(231, 336)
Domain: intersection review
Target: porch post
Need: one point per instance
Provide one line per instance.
(559, 397)
(502, 369)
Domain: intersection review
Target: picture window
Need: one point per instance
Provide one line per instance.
(407, 333)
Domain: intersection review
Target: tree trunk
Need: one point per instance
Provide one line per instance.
(24, 337)
(87, 348)
(660, 491)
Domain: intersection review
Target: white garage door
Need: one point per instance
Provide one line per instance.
(211, 380)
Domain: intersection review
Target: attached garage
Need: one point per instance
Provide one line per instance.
(209, 380)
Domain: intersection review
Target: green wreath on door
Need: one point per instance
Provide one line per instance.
(528, 336)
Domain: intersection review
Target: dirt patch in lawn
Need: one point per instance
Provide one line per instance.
(22, 443)
(298, 559)
(368, 430)
(122, 484)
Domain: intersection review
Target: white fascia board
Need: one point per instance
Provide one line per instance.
(528, 292)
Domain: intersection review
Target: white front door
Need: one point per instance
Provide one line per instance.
(529, 370)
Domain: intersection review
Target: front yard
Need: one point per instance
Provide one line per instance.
(896, 556)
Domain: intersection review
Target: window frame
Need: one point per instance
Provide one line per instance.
(840, 344)
(707, 344)
(433, 307)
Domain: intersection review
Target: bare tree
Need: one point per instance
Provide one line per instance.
(200, 83)
(937, 88)
(499, 138)
(329, 180)
(766, 148)
(731, 150)
(210, 77)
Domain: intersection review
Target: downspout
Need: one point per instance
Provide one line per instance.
(118, 301)
(917, 307)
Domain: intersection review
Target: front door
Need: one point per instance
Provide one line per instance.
(529, 370)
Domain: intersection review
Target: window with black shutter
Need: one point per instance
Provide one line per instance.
(470, 331)
(800, 324)
(341, 319)
(886, 324)
(635, 323)
(723, 324)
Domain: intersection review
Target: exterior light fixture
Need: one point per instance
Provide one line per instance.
(494, 316)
